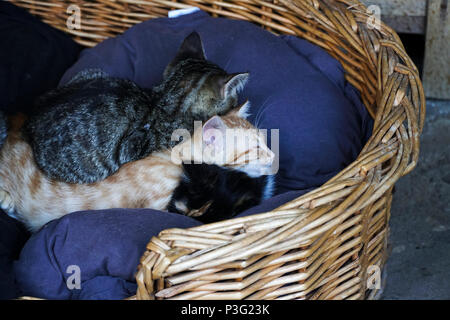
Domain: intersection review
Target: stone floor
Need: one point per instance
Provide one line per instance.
(419, 265)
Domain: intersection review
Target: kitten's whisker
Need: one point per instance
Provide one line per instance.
(260, 110)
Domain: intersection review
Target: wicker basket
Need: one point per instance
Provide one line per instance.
(328, 244)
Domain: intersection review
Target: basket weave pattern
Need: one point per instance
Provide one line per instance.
(326, 244)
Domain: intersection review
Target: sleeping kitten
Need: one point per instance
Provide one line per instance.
(84, 131)
(211, 193)
(146, 183)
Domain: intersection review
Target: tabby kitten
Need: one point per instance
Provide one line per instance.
(84, 131)
(211, 193)
(147, 183)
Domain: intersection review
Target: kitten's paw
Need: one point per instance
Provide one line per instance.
(7, 204)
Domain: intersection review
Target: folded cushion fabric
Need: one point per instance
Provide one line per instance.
(33, 57)
(12, 238)
(103, 247)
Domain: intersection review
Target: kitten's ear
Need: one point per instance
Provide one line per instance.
(233, 84)
(192, 47)
(242, 111)
(213, 132)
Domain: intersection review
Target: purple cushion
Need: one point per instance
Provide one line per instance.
(105, 245)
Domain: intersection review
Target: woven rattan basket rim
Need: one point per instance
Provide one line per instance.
(335, 232)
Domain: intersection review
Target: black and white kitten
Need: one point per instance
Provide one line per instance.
(211, 193)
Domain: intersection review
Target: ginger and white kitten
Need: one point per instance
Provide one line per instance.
(147, 183)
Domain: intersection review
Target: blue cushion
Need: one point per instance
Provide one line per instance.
(13, 236)
(294, 86)
(33, 57)
(105, 245)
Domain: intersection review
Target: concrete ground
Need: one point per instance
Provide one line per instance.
(419, 265)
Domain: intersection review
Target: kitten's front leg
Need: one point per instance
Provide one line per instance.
(7, 204)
